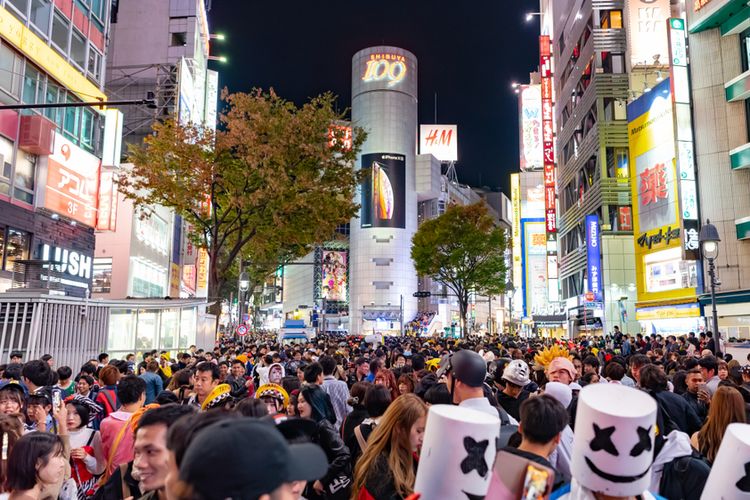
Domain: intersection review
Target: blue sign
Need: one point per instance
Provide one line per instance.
(593, 256)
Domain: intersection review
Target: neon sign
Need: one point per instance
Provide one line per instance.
(390, 67)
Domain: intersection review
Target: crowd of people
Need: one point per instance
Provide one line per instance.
(338, 418)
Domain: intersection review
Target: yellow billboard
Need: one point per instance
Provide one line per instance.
(36, 49)
(661, 273)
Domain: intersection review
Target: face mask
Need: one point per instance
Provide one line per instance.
(407, 353)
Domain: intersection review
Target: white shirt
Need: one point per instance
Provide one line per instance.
(483, 404)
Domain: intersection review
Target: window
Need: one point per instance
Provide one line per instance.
(102, 279)
(10, 69)
(99, 8)
(60, 32)
(87, 129)
(54, 95)
(70, 125)
(20, 5)
(23, 185)
(745, 49)
(41, 10)
(78, 49)
(16, 247)
(6, 157)
(95, 64)
(179, 39)
(31, 81)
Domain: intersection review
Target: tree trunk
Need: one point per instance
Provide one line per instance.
(463, 306)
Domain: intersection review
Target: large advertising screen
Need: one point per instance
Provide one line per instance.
(535, 266)
(593, 257)
(72, 186)
(334, 282)
(384, 191)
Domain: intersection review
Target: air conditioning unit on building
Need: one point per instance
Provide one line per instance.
(37, 135)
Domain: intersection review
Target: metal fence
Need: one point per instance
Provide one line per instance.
(73, 330)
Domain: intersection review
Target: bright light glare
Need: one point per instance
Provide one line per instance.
(529, 17)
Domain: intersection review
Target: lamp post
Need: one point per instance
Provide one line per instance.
(244, 285)
(709, 241)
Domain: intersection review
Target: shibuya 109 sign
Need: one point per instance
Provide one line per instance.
(390, 68)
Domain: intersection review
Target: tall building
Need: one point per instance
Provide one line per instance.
(382, 276)
(158, 47)
(51, 159)
(719, 43)
(592, 56)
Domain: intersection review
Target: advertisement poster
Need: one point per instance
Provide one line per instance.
(384, 191)
(535, 266)
(531, 128)
(593, 257)
(72, 188)
(334, 282)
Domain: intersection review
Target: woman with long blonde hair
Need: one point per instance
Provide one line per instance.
(727, 407)
(388, 465)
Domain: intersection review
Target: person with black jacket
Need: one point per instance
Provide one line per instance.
(313, 403)
(653, 380)
(376, 402)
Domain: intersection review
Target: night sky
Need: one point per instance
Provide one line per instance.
(468, 52)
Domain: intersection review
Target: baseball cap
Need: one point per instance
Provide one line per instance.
(467, 366)
(217, 462)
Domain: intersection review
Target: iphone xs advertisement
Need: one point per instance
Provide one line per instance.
(384, 191)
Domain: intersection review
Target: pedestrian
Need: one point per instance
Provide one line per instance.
(86, 455)
(107, 394)
(154, 383)
(561, 370)
(709, 367)
(654, 381)
(388, 467)
(515, 376)
(313, 403)
(205, 381)
(727, 407)
(12, 399)
(117, 428)
(376, 401)
(359, 411)
(337, 390)
(386, 378)
(36, 464)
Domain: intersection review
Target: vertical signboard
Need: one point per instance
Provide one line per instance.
(593, 257)
(515, 195)
(530, 118)
(548, 157)
(683, 132)
(201, 269)
(384, 191)
(108, 197)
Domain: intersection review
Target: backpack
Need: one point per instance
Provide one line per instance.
(684, 478)
(507, 430)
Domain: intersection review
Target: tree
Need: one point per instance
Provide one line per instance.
(265, 188)
(464, 250)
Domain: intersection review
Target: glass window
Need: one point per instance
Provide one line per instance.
(24, 177)
(20, 5)
(188, 325)
(31, 79)
(6, 157)
(148, 322)
(87, 129)
(94, 65)
(121, 330)
(70, 126)
(10, 68)
(16, 248)
(60, 31)
(745, 49)
(170, 329)
(99, 8)
(102, 280)
(53, 95)
(78, 49)
(41, 10)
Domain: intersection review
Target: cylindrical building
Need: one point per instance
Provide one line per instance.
(382, 276)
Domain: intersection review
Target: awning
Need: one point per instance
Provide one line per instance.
(733, 297)
(726, 16)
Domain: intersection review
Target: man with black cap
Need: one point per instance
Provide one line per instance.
(234, 447)
(465, 372)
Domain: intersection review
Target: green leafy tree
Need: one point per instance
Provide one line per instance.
(265, 188)
(464, 250)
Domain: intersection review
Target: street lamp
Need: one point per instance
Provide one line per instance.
(709, 240)
(244, 285)
(530, 15)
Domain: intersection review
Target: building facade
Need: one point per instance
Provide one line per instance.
(719, 43)
(159, 48)
(50, 182)
(383, 279)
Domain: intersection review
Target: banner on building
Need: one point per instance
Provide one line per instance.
(530, 118)
(334, 276)
(594, 257)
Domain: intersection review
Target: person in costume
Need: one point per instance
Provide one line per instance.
(275, 398)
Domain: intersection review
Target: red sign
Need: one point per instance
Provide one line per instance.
(344, 133)
(550, 221)
(72, 188)
(241, 330)
(625, 219)
(654, 184)
(590, 296)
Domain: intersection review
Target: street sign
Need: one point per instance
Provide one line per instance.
(421, 295)
(590, 296)
(241, 330)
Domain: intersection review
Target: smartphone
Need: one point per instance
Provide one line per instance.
(535, 483)
(56, 399)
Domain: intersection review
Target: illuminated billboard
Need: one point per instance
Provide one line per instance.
(646, 23)
(441, 141)
(384, 191)
(334, 276)
(72, 187)
(657, 218)
(534, 266)
(530, 115)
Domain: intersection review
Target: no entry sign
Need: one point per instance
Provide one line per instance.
(241, 330)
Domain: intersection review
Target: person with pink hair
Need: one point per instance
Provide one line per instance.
(561, 370)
